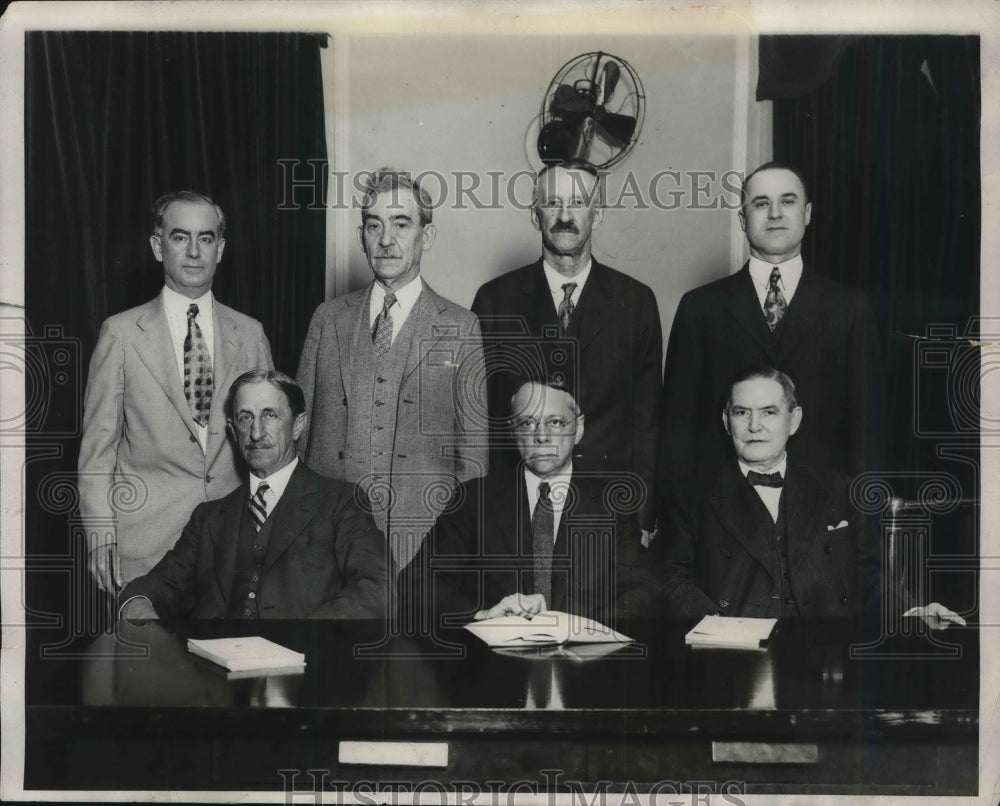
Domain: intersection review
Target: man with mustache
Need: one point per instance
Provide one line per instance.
(154, 437)
(568, 315)
(288, 543)
(391, 374)
(777, 312)
(535, 537)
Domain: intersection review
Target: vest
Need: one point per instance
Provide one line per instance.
(781, 601)
(244, 596)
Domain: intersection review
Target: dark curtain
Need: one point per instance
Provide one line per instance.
(886, 129)
(112, 121)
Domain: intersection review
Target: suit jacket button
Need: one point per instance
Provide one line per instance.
(208, 479)
(828, 548)
(340, 454)
(843, 600)
(191, 438)
(723, 603)
(344, 401)
(727, 553)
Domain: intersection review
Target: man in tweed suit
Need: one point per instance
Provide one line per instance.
(391, 376)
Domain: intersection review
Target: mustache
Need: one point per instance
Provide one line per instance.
(565, 226)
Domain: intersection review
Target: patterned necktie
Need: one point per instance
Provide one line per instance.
(774, 302)
(542, 534)
(382, 332)
(566, 307)
(198, 383)
(258, 506)
(765, 479)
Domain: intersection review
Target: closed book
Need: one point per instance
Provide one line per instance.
(246, 654)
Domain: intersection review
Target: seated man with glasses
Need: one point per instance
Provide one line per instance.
(540, 536)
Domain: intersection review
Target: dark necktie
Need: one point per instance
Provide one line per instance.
(198, 383)
(542, 534)
(765, 479)
(774, 302)
(382, 333)
(566, 307)
(258, 506)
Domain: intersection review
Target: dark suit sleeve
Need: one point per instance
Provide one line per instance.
(867, 448)
(647, 388)
(484, 307)
(675, 550)
(682, 399)
(172, 584)
(637, 580)
(450, 593)
(306, 375)
(363, 558)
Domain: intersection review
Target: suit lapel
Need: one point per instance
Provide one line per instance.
(537, 298)
(226, 540)
(799, 322)
(598, 304)
(292, 515)
(351, 322)
(427, 328)
(801, 513)
(745, 307)
(742, 513)
(155, 348)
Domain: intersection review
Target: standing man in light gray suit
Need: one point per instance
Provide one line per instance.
(154, 425)
(392, 374)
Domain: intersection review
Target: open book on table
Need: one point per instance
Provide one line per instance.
(548, 627)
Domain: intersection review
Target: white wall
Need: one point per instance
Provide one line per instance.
(465, 103)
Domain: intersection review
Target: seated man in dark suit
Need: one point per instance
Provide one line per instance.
(538, 536)
(773, 538)
(288, 543)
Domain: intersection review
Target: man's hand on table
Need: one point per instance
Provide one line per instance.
(517, 604)
(936, 616)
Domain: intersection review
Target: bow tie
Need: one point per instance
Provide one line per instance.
(765, 479)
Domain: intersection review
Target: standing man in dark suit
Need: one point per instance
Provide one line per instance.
(772, 537)
(540, 536)
(773, 312)
(569, 316)
(154, 426)
(391, 375)
(288, 543)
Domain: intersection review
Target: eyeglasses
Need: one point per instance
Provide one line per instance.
(554, 425)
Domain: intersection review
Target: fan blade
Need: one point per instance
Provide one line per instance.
(555, 141)
(584, 137)
(610, 77)
(615, 128)
(567, 101)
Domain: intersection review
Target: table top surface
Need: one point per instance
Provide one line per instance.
(809, 668)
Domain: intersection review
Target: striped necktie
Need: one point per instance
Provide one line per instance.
(258, 506)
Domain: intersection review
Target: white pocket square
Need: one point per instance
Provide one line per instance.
(840, 525)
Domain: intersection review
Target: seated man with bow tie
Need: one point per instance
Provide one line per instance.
(539, 536)
(289, 543)
(772, 538)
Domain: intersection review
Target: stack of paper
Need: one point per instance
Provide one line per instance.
(548, 627)
(246, 654)
(735, 633)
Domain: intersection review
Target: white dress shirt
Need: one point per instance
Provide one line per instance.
(791, 273)
(771, 496)
(175, 306)
(556, 282)
(406, 298)
(558, 494)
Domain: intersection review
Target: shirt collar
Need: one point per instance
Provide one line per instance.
(406, 296)
(177, 304)
(791, 273)
(556, 280)
(778, 468)
(560, 479)
(277, 481)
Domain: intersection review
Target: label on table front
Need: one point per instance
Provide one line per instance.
(765, 752)
(397, 754)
